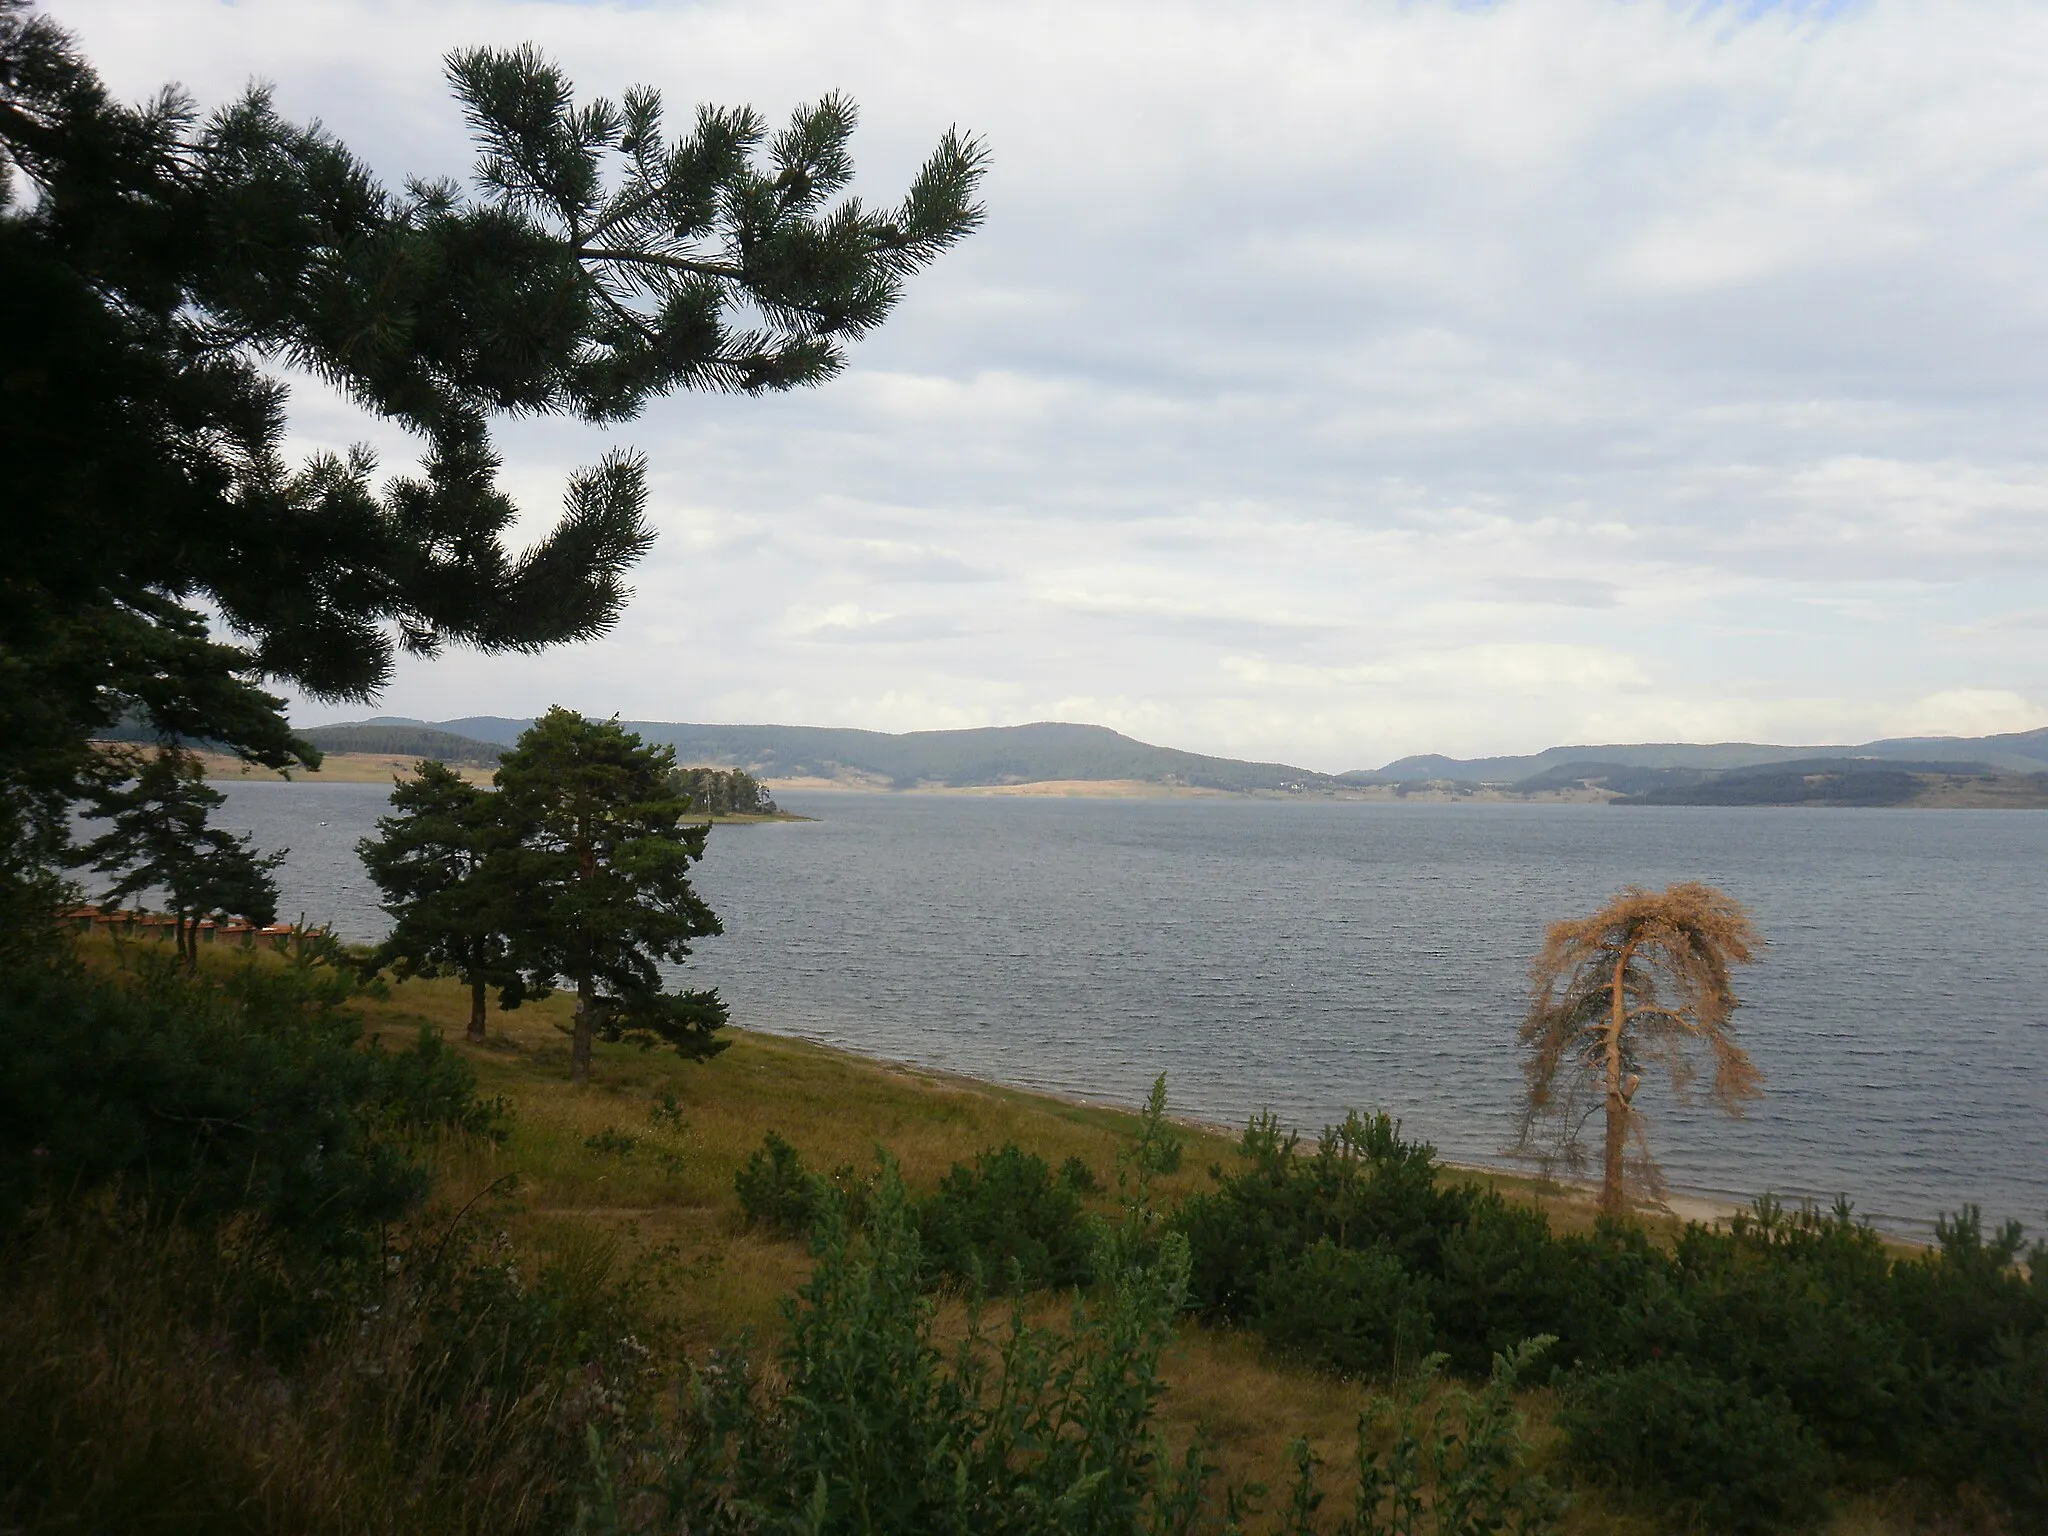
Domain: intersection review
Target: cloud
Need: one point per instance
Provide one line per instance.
(1330, 382)
(1560, 591)
(1971, 712)
(847, 624)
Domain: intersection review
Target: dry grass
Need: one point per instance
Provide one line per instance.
(130, 1404)
(676, 1186)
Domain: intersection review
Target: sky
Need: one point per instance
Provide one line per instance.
(1330, 381)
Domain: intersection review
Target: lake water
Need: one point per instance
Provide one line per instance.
(1310, 957)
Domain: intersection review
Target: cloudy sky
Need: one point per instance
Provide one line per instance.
(1331, 381)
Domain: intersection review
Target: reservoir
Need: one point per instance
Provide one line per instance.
(1313, 956)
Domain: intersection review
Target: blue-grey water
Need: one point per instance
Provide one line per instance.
(1314, 956)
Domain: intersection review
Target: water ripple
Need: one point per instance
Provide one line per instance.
(1312, 957)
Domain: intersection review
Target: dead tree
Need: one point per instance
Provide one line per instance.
(1643, 980)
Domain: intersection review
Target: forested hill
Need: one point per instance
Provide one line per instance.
(393, 738)
(2013, 752)
(1048, 751)
(1011, 754)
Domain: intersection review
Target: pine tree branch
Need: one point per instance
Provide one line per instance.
(655, 259)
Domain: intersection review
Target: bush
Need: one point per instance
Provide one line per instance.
(1708, 1449)
(1006, 1224)
(776, 1191)
(1364, 1188)
(1359, 1310)
(209, 1098)
(1976, 1310)
(666, 1113)
(1505, 1278)
(225, 1305)
(612, 1142)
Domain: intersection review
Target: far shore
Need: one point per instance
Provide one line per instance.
(387, 768)
(384, 768)
(1152, 789)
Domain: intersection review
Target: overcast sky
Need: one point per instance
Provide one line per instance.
(1329, 382)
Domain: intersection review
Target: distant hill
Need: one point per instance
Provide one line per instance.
(1650, 773)
(1009, 754)
(392, 738)
(1815, 781)
(2013, 752)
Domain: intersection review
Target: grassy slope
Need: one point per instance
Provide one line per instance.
(836, 1108)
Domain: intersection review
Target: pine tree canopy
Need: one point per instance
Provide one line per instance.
(439, 861)
(154, 808)
(602, 868)
(159, 266)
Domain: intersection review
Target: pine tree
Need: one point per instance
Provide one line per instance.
(155, 265)
(442, 861)
(602, 870)
(724, 792)
(156, 805)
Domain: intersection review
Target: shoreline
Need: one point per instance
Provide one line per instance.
(379, 768)
(1577, 1197)
(1375, 794)
(384, 768)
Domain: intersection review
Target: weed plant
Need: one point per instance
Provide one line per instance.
(1436, 1460)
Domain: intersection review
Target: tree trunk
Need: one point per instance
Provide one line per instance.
(586, 1027)
(476, 1008)
(1613, 1194)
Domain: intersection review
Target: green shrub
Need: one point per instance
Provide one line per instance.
(855, 1192)
(1932, 1368)
(1976, 1312)
(867, 1424)
(1706, 1448)
(1363, 1188)
(666, 1113)
(225, 1304)
(214, 1098)
(1504, 1277)
(1359, 1310)
(1006, 1223)
(612, 1142)
(776, 1192)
